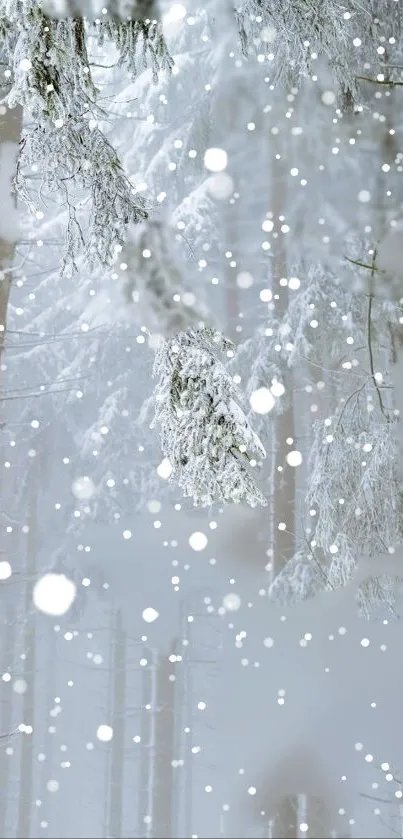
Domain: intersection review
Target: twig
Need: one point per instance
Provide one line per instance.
(365, 265)
(369, 327)
(387, 82)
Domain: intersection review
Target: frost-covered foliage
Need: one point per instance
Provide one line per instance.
(354, 482)
(154, 281)
(204, 433)
(301, 578)
(51, 78)
(353, 498)
(137, 41)
(141, 10)
(327, 319)
(259, 365)
(109, 193)
(293, 30)
(378, 593)
(298, 32)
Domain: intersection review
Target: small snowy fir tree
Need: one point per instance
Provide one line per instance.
(204, 433)
(154, 281)
(353, 499)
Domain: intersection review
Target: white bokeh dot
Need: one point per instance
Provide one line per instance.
(198, 540)
(262, 400)
(277, 388)
(52, 786)
(83, 488)
(244, 279)
(221, 186)
(328, 97)
(105, 733)
(150, 615)
(294, 458)
(175, 13)
(54, 594)
(5, 570)
(25, 65)
(19, 686)
(164, 469)
(231, 602)
(154, 506)
(215, 159)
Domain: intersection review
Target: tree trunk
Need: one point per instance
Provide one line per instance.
(283, 488)
(29, 646)
(225, 123)
(118, 723)
(164, 743)
(46, 770)
(10, 134)
(6, 705)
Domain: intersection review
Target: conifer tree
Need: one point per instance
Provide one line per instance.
(205, 435)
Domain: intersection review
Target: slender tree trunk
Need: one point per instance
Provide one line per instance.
(225, 124)
(46, 770)
(6, 705)
(109, 711)
(10, 133)
(118, 723)
(162, 791)
(29, 643)
(147, 748)
(283, 489)
(296, 810)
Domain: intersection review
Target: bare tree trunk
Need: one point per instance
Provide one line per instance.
(225, 123)
(10, 133)
(6, 705)
(164, 740)
(29, 643)
(148, 741)
(283, 488)
(118, 723)
(46, 770)
(298, 810)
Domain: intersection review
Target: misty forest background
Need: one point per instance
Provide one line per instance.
(211, 669)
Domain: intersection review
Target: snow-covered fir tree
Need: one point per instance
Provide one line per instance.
(205, 436)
